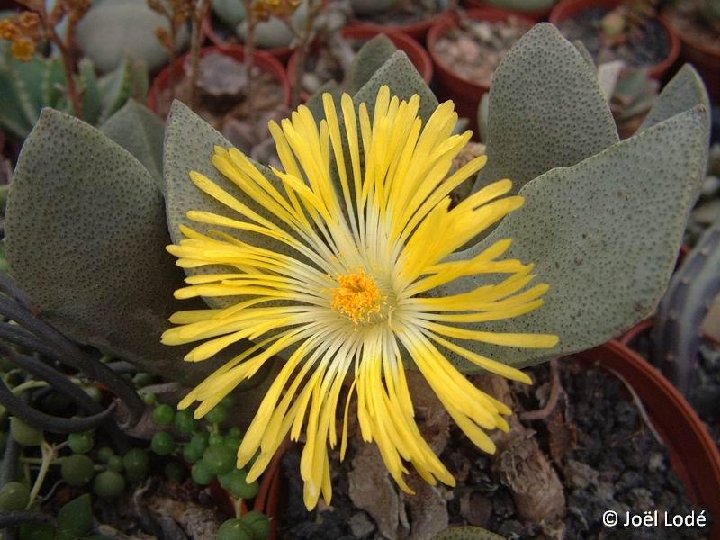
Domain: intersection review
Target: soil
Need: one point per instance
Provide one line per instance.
(643, 47)
(406, 13)
(475, 49)
(602, 447)
(225, 103)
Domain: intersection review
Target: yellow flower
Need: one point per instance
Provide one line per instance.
(360, 231)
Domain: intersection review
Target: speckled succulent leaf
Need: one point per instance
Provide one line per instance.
(139, 131)
(467, 533)
(546, 110)
(604, 234)
(315, 103)
(85, 239)
(189, 143)
(369, 59)
(684, 91)
(403, 79)
(583, 50)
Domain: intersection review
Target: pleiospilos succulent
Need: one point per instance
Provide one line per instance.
(91, 212)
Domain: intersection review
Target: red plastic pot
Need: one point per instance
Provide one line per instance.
(465, 93)
(569, 8)
(694, 456)
(176, 71)
(267, 500)
(208, 30)
(415, 52)
(705, 58)
(537, 15)
(418, 30)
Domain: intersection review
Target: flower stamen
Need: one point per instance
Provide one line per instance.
(358, 297)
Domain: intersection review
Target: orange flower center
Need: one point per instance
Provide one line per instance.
(358, 297)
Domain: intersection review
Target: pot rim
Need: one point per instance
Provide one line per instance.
(694, 455)
(566, 9)
(262, 59)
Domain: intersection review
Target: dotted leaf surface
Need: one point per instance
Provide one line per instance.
(86, 237)
(369, 59)
(684, 91)
(546, 110)
(140, 132)
(604, 234)
(403, 79)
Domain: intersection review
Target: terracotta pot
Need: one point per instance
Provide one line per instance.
(694, 455)
(418, 30)
(417, 55)
(569, 8)
(705, 58)
(267, 500)
(208, 30)
(536, 15)
(466, 93)
(263, 60)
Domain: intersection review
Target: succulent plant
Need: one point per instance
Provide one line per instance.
(467, 533)
(115, 30)
(27, 87)
(89, 217)
(676, 336)
(272, 33)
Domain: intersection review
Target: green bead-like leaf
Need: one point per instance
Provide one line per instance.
(139, 131)
(604, 234)
(368, 60)
(75, 518)
(467, 533)
(86, 236)
(404, 81)
(546, 110)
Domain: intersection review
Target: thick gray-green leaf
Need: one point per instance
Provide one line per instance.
(315, 103)
(86, 237)
(139, 131)
(368, 60)
(585, 53)
(684, 91)
(604, 234)
(546, 110)
(189, 143)
(404, 81)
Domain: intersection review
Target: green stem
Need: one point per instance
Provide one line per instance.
(49, 453)
(28, 385)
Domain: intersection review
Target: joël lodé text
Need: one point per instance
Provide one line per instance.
(657, 518)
